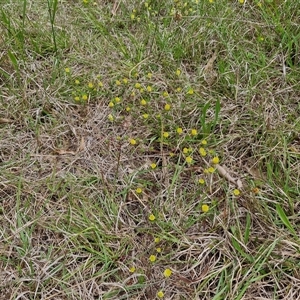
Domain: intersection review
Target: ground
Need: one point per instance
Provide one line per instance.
(149, 149)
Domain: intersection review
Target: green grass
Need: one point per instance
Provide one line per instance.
(85, 162)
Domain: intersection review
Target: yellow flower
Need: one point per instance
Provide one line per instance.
(179, 130)
(100, 84)
(128, 108)
(178, 72)
(160, 294)
(84, 97)
(215, 160)
(139, 190)
(236, 192)
(189, 159)
(132, 269)
(149, 88)
(132, 141)
(185, 150)
(77, 81)
(90, 85)
(255, 190)
(204, 142)
(67, 70)
(167, 106)
(76, 98)
(143, 102)
(242, 1)
(211, 1)
(137, 85)
(167, 273)
(132, 16)
(211, 169)
(111, 104)
(165, 94)
(166, 134)
(156, 240)
(118, 82)
(149, 75)
(152, 258)
(118, 99)
(145, 116)
(201, 181)
(178, 90)
(172, 154)
(110, 117)
(190, 91)
(158, 250)
(153, 165)
(125, 80)
(152, 218)
(194, 132)
(202, 152)
(205, 208)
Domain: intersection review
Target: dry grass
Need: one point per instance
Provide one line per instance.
(72, 219)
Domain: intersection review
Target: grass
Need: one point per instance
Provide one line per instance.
(157, 129)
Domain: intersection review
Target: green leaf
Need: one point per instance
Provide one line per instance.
(285, 219)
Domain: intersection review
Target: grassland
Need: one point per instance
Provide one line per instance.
(149, 149)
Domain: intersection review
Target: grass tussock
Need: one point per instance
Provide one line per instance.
(149, 150)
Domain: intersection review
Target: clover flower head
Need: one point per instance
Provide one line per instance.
(211, 170)
(90, 85)
(179, 130)
(145, 116)
(158, 250)
(167, 106)
(77, 81)
(236, 192)
(153, 165)
(152, 258)
(125, 80)
(132, 142)
(202, 152)
(189, 159)
(132, 269)
(127, 108)
(166, 134)
(117, 99)
(139, 190)
(167, 273)
(201, 181)
(76, 98)
(110, 117)
(67, 70)
(152, 217)
(190, 91)
(194, 132)
(149, 88)
(156, 240)
(137, 85)
(100, 84)
(84, 97)
(118, 82)
(165, 94)
(149, 75)
(215, 160)
(160, 294)
(178, 72)
(143, 102)
(205, 208)
(111, 104)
